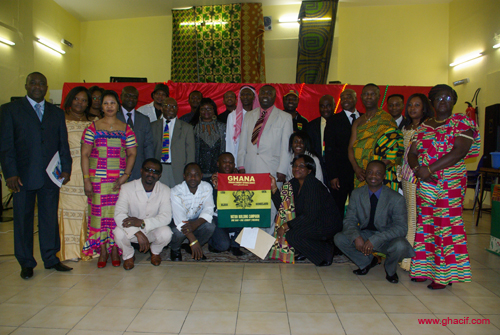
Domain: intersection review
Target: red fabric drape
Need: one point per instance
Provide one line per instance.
(309, 93)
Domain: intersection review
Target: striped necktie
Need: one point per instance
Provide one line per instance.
(258, 127)
(165, 154)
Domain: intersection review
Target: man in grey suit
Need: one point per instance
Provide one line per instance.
(175, 150)
(264, 138)
(376, 220)
(32, 131)
(141, 126)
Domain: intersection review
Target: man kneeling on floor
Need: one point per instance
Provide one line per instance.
(223, 239)
(142, 215)
(193, 209)
(376, 221)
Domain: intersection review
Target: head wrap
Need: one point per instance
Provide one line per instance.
(239, 111)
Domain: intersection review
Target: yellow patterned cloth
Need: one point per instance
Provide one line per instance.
(72, 200)
(379, 139)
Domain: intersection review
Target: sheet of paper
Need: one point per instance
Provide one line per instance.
(249, 238)
(54, 170)
(263, 244)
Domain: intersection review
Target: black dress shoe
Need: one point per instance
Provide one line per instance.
(299, 257)
(175, 256)
(26, 273)
(325, 263)
(237, 251)
(362, 272)
(394, 279)
(59, 267)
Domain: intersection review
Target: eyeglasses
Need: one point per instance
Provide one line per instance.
(446, 98)
(153, 171)
(300, 166)
(96, 98)
(170, 106)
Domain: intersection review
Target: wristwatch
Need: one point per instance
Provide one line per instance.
(143, 224)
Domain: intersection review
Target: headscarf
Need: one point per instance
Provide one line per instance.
(239, 111)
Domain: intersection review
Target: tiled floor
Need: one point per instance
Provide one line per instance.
(234, 298)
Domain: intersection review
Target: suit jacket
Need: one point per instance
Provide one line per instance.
(156, 211)
(391, 219)
(144, 138)
(272, 154)
(181, 146)
(337, 135)
(27, 145)
(313, 129)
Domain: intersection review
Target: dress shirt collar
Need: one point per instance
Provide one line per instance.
(33, 103)
(377, 194)
(348, 113)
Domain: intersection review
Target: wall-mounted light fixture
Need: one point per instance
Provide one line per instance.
(3, 40)
(294, 19)
(467, 58)
(49, 45)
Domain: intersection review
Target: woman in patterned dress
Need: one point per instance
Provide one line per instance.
(209, 137)
(73, 202)
(418, 109)
(440, 146)
(108, 156)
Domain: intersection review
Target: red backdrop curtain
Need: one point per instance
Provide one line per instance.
(309, 93)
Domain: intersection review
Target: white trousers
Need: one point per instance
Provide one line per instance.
(159, 238)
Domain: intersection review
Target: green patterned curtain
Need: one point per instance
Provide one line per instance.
(218, 44)
(317, 25)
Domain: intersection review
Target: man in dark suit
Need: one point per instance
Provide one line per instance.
(141, 126)
(376, 221)
(316, 130)
(194, 102)
(395, 107)
(337, 134)
(175, 150)
(230, 103)
(32, 131)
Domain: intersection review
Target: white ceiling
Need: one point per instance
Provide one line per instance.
(96, 10)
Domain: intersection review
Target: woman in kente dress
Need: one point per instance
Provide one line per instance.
(108, 156)
(437, 157)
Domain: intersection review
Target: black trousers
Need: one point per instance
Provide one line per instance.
(48, 228)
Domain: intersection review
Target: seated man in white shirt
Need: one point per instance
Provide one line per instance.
(142, 215)
(193, 210)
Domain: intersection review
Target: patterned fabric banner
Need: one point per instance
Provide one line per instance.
(317, 25)
(244, 200)
(218, 44)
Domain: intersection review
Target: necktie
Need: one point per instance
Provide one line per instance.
(38, 110)
(165, 154)
(129, 120)
(258, 127)
(353, 117)
(373, 208)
